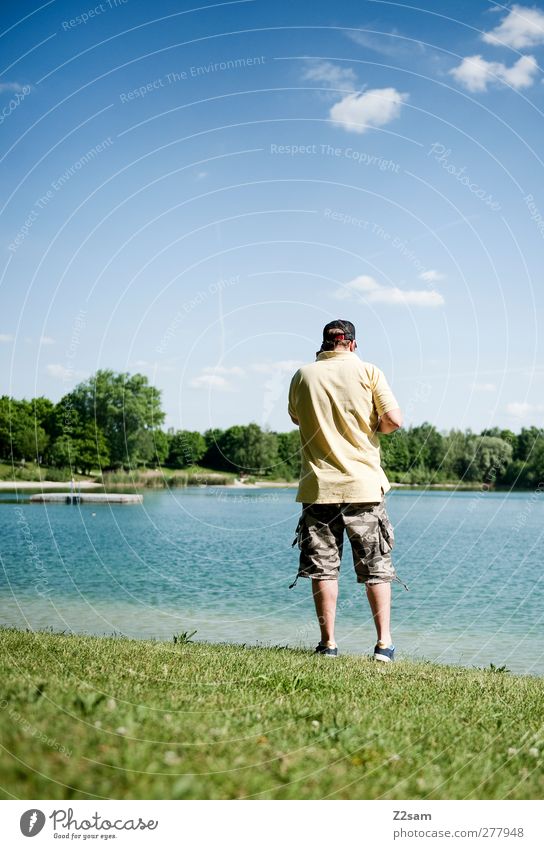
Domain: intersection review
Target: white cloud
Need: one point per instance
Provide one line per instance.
(223, 370)
(336, 76)
(483, 387)
(60, 372)
(413, 297)
(43, 340)
(365, 287)
(216, 377)
(522, 409)
(358, 285)
(476, 74)
(277, 367)
(387, 43)
(154, 367)
(431, 276)
(372, 108)
(522, 27)
(210, 380)
(11, 87)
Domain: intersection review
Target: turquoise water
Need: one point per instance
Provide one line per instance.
(220, 561)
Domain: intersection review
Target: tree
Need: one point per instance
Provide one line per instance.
(213, 458)
(160, 447)
(492, 456)
(288, 454)
(42, 409)
(479, 458)
(61, 453)
(249, 449)
(186, 448)
(426, 446)
(395, 453)
(21, 434)
(525, 442)
(82, 451)
(90, 450)
(459, 456)
(534, 469)
(124, 407)
(5, 427)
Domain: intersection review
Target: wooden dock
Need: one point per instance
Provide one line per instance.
(87, 497)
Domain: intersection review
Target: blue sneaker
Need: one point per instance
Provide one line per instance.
(384, 652)
(326, 651)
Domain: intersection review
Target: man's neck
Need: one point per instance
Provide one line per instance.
(325, 355)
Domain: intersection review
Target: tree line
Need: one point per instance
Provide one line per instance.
(114, 420)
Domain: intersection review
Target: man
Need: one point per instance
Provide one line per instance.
(340, 403)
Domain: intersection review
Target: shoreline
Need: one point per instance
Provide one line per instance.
(257, 645)
(88, 485)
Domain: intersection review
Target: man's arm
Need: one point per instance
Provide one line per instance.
(292, 401)
(390, 421)
(387, 408)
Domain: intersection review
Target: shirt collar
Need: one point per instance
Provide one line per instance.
(329, 355)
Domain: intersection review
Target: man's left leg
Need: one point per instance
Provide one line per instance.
(372, 538)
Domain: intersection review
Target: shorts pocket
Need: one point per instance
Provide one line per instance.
(386, 534)
(299, 531)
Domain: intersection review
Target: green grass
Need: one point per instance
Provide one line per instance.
(160, 479)
(34, 472)
(101, 717)
(137, 478)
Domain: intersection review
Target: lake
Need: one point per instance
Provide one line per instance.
(219, 561)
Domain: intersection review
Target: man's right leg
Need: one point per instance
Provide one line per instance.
(379, 598)
(325, 597)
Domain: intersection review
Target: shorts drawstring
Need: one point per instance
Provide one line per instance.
(396, 578)
(298, 531)
(294, 582)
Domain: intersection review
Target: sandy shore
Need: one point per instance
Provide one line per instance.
(260, 485)
(83, 485)
(10, 485)
(46, 485)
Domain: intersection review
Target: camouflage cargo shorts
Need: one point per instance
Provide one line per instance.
(320, 538)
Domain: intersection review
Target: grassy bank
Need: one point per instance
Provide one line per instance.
(135, 479)
(163, 478)
(34, 472)
(96, 717)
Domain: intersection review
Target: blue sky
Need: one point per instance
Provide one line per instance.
(193, 190)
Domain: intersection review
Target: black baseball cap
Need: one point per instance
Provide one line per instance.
(339, 330)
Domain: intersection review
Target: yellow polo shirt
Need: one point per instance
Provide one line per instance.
(337, 401)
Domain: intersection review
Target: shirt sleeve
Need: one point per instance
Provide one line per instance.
(292, 409)
(384, 400)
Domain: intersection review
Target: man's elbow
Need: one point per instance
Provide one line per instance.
(392, 420)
